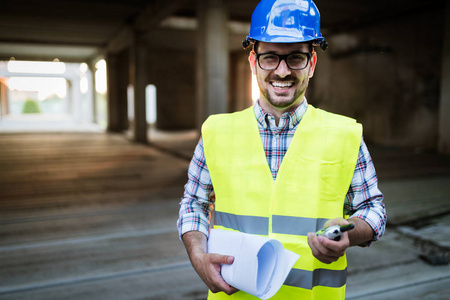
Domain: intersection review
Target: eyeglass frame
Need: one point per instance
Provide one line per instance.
(283, 57)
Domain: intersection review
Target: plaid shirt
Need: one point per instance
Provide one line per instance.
(363, 200)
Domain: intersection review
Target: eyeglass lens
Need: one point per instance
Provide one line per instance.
(295, 61)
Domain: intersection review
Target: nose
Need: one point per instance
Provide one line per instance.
(283, 69)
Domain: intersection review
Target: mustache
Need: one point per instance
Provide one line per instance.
(278, 78)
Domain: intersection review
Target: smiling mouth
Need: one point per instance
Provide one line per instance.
(282, 84)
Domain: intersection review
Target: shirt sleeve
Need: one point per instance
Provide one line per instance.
(364, 200)
(197, 202)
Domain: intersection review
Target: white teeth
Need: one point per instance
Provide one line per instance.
(282, 84)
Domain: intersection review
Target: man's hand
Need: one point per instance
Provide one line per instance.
(207, 265)
(325, 250)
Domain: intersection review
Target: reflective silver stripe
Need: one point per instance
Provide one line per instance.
(247, 224)
(296, 225)
(319, 277)
(260, 225)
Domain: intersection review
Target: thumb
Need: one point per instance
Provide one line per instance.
(222, 259)
(336, 221)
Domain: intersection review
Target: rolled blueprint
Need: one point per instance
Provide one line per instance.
(260, 265)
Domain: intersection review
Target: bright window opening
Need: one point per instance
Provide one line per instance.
(100, 77)
(36, 67)
(150, 98)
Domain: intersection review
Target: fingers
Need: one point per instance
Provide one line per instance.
(325, 250)
(217, 284)
(230, 290)
(338, 247)
(211, 273)
(319, 250)
(218, 259)
(221, 259)
(336, 221)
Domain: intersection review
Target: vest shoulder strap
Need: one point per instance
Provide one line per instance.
(328, 119)
(228, 121)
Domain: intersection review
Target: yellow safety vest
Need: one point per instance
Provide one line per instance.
(309, 189)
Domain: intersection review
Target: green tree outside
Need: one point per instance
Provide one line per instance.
(31, 107)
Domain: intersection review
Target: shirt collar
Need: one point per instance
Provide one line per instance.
(294, 116)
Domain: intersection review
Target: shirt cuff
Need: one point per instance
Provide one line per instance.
(193, 222)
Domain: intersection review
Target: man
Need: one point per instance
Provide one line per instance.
(283, 168)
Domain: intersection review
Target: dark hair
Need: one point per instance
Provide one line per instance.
(255, 46)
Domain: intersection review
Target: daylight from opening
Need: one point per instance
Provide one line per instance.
(43, 91)
(33, 87)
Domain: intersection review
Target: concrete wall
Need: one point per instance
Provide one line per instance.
(118, 79)
(444, 105)
(173, 73)
(240, 81)
(388, 77)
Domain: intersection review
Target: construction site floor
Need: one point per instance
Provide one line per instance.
(90, 215)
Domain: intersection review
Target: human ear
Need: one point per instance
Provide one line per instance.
(313, 63)
(252, 62)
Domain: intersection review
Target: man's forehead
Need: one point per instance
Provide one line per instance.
(302, 47)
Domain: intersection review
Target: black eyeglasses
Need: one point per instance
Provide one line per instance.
(294, 61)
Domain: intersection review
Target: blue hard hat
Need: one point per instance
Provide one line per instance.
(286, 21)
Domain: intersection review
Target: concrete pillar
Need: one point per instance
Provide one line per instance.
(3, 99)
(89, 107)
(76, 99)
(444, 108)
(69, 101)
(93, 92)
(241, 82)
(212, 59)
(138, 78)
(113, 107)
(117, 82)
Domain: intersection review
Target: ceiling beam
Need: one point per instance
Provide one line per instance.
(45, 42)
(121, 40)
(370, 18)
(149, 18)
(155, 12)
(41, 57)
(45, 52)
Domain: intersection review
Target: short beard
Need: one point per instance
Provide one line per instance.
(285, 104)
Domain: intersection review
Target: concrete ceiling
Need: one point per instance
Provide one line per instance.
(79, 30)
